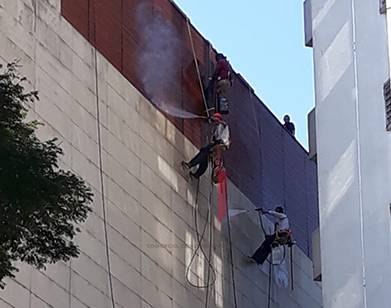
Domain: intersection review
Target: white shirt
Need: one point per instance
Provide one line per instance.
(222, 133)
(282, 219)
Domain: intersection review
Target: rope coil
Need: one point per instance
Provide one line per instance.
(199, 247)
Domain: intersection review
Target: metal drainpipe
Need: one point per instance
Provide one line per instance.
(388, 17)
(358, 129)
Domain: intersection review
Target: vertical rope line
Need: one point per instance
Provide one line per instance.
(291, 253)
(358, 147)
(122, 36)
(232, 260)
(260, 157)
(70, 284)
(199, 246)
(210, 243)
(197, 68)
(269, 296)
(257, 126)
(102, 185)
(35, 9)
(89, 20)
(283, 170)
(101, 165)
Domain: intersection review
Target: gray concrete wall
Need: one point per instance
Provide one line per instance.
(149, 205)
(354, 154)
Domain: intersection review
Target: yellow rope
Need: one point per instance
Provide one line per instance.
(197, 68)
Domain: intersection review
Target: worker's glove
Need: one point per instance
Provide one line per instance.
(262, 210)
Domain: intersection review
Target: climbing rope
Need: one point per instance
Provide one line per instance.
(291, 255)
(197, 67)
(269, 295)
(199, 245)
(104, 214)
(210, 247)
(231, 258)
(257, 126)
(260, 154)
(259, 214)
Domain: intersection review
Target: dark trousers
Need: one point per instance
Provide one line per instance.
(209, 94)
(201, 159)
(263, 251)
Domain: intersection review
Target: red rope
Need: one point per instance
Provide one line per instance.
(222, 208)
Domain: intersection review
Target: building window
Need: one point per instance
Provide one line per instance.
(308, 23)
(387, 99)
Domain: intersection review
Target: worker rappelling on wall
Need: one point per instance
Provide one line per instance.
(274, 246)
(220, 141)
(282, 235)
(220, 83)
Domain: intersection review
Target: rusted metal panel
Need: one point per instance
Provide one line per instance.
(77, 13)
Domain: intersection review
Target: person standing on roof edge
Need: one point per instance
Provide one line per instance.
(281, 231)
(223, 80)
(288, 125)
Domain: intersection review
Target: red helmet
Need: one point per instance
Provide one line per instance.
(218, 116)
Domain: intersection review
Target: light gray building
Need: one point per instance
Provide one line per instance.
(351, 48)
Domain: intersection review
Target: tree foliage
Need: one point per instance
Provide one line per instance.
(40, 204)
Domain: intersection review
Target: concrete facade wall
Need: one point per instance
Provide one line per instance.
(148, 203)
(354, 154)
(133, 35)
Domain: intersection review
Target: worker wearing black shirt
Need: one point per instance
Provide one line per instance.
(288, 125)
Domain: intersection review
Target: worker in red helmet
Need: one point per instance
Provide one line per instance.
(220, 138)
(217, 116)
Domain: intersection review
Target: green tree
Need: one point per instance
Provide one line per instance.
(40, 204)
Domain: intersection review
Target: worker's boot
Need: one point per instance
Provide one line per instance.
(185, 165)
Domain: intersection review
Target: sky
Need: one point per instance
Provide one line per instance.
(264, 42)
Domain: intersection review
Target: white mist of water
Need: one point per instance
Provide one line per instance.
(177, 112)
(161, 52)
(235, 212)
